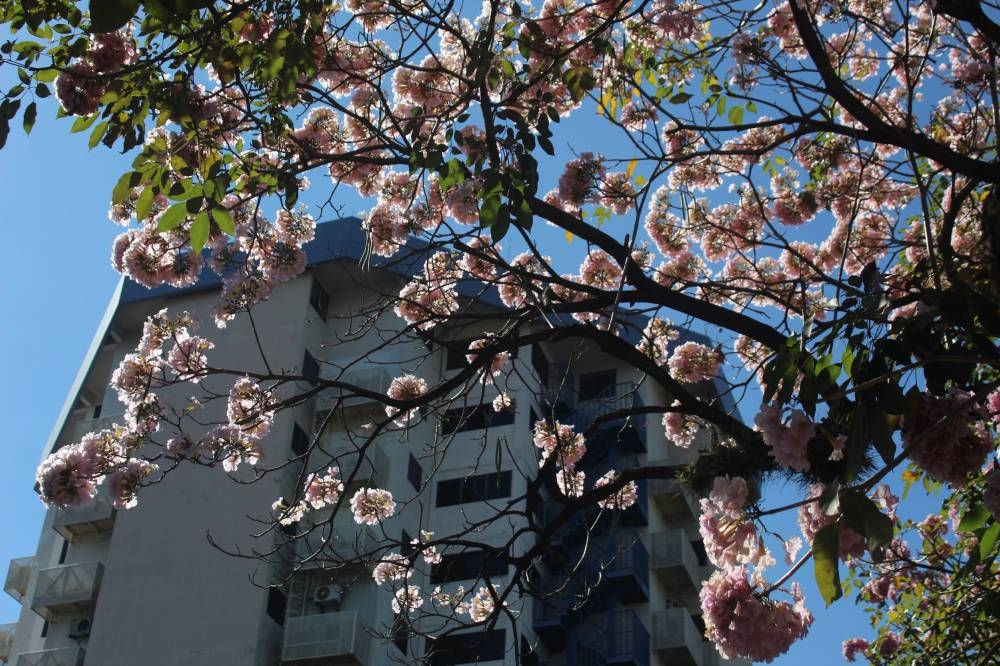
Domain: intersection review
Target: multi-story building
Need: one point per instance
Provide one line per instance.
(146, 587)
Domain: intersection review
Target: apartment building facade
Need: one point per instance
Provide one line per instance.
(162, 584)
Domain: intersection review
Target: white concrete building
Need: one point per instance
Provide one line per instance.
(145, 587)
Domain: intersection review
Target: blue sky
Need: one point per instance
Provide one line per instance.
(56, 283)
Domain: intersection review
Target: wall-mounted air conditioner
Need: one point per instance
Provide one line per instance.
(80, 628)
(328, 596)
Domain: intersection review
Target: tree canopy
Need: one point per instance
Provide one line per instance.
(812, 180)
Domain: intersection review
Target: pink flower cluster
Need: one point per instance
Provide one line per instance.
(80, 87)
(392, 566)
(694, 362)
(559, 439)
(579, 181)
(854, 646)
(407, 599)
(407, 387)
(812, 519)
(496, 364)
(321, 491)
(620, 500)
(680, 428)
(788, 443)
(744, 623)
(372, 505)
(959, 443)
(250, 409)
(730, 538)
(125, 480)
(656, 339)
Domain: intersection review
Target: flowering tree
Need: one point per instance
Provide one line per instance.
(814, 180)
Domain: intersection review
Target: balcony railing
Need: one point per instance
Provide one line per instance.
(673, 500)
(96, 425)
(6, 641)
(98, 517)
(72, 656)
(676, 638)
(67, 588)
(344, 542)
(367, 376)
(628, 573)
(339, 636)
(675, 561)
(18, 574)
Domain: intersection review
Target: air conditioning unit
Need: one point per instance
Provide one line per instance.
(80, 628)
(328, 596)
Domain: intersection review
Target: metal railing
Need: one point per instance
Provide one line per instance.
(71, 656)
(676, 637)
(68, 587)
(325, 636)
(94, 518)
(372, 377)
(675, 561)
(18, 575)
(96, 425)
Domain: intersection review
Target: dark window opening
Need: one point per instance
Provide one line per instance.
(64, 551)
(475, 488)
(45, 629)
(406, 548)
(319, 299)
(300, 440)
(596, 385)
(468, 566)
(699, 551)
(455, 355)
(415, 473)
(400, 635)
(277, 602)
(528, 656)
(97, 411)
(310, 367)
(467, 648)
(540, 364)
(699, 622)
(474, 418)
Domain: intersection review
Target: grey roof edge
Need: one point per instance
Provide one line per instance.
(103, 328)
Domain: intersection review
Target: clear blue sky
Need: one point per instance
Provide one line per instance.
(56, 284)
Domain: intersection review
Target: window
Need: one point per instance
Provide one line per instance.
(474, 488)
(528, 656)
(64, 551)
(699, 622)
(699, 551)
(406, 547)
(300, 440)
(540, 364)
(415, 473)
(319, 299)
(468, 566)
(310, 367)
(455, 355)
(467, 648)
(276, 604)
(474, 418)
(597, 385)
(400, 635)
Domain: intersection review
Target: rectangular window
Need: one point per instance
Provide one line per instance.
(319, 299)
(310, 367)
(455, 355)
(415, 473)
(467, 648)
(475, 488)
(406, 547)
(468, 566)
(300, 440)
(596, 385)
(540, 364)
(699, 551)
(64, 551)
(528, 656)
(277, 602)
(464, 419)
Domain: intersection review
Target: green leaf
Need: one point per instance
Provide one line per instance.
(97, 134)
(989, 541)
(224, 221)
(736, 115)
(144, 204)
(30, 114)
(974, 518)
(109, 15)
(864, 517)
(199, 231)
(83, 122)
(826, 551)
(172, 218)
(680, 98)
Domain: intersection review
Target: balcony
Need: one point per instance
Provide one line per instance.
(344, 542)
(61, 657)
(675, 562)
(98, 517)
(96, 425)
(6, 641)
(67, 588)
(676, 638)
(365, 376)
(614, 638)
(627, 575)
(330, 638)
(18, 574)
(673, 500)
(550, 622)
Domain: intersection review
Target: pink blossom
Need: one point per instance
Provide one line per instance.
(67, 478)
(188, 359)
(559, 439)
(480, 262)
(407, 387)
(321, 491)
(958, 445)
(503, 402)
(694, 362)
(481, 605)
(788, 443)
(730, 538)
(407, 599)
(497, 362)
(600, 270)
(79, 89)
(792, 547)
(625, 497)
(579, 180)
(372, 506)
(852, 646)
(250, 409)
(570, 482)
(124, 482)
(656, 339)
(812, 519)
(111, 51)
(392, 566)
(680, 428)
(228, 443)
(743, 623)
